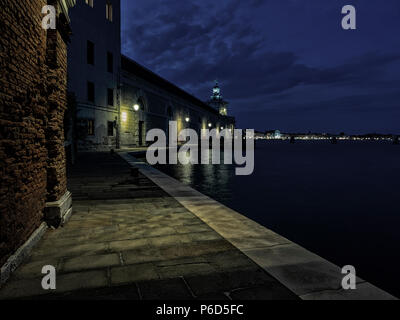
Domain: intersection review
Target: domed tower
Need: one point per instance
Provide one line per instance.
(217, 101)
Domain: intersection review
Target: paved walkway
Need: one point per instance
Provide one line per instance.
(128, 239)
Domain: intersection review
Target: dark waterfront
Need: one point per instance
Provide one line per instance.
(339, 201)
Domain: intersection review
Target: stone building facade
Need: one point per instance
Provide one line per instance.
(150, 102)
(107, 96)
(94, 71)
(33, 92)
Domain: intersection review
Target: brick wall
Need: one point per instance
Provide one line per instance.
(57, 104)
(32, 105)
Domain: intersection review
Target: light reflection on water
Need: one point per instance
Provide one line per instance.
(213, 180)
(339, 201)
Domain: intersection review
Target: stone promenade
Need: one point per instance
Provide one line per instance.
(128, 239)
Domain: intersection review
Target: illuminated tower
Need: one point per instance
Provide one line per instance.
(217, 101)
(216, 92)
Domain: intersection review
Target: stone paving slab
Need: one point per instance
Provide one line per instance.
(304, 273)
(136, 243)
(170, 289)
(133, 273)
(88, 263)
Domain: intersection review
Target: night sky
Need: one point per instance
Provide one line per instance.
(282, 64)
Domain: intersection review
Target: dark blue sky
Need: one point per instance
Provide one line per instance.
(282, 64)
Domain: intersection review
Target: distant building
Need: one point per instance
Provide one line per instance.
(273, 134)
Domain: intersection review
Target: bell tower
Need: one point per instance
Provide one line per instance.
(216, 92)
(217, 100)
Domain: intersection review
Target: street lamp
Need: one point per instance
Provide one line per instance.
(136, 107)
(187, 119)
(210, 125)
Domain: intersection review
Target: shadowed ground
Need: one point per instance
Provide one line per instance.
(128, 239)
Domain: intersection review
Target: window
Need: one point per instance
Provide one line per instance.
(170, 112)
(110, 62)
(90, 52)
(89, 3)
(90, 92)
(110, 128)
(110, 97)
(109, 12)
(141, 104)
(90, 127)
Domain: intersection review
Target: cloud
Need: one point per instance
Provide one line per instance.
(191, 44)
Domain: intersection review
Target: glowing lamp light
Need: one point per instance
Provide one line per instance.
(187, 119)
(209, 125)
(136, 107)
(222, 128)
(124, 116)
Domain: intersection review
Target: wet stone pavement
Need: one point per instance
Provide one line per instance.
(128, 239)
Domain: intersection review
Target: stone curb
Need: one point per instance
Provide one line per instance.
(20, 255)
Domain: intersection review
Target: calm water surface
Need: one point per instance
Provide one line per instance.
(339, 201)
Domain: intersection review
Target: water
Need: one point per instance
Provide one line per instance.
(339, 201)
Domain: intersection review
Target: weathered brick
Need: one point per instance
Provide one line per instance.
(33, 64)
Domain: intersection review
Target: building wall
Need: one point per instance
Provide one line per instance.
(32, 105)
(160, 107)
(90, 24)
